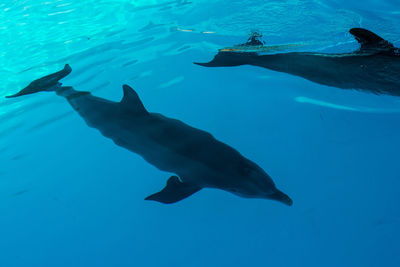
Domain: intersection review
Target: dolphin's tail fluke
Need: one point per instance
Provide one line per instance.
(281, 197)
(229, 59)
(46, 83)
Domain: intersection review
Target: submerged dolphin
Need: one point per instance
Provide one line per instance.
(194, 155)
(375, 67)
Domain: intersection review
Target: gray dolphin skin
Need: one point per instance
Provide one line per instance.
(46, 83)
(375, 67)
(195, 156)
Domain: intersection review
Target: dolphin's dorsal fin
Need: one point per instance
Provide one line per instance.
(131, 101)
(370, 41)
(174, 191)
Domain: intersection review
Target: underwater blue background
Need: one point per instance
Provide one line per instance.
(71, 197)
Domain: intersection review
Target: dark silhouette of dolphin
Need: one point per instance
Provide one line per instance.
(195, 156)
(374, 67)
(46, 83)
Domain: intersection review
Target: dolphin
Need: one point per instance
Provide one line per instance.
(195, 156)
(374, 67)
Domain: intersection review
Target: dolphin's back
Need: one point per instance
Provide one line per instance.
(182, 148)
(190, 142)
(169, 144)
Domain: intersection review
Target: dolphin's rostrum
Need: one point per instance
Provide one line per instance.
(195, 156)
(374, 67)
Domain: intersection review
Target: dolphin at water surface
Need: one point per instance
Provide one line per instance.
(374, 67)
(195, 156)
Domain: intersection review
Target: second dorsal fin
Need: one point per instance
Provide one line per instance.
(370, 41)
(131, 101)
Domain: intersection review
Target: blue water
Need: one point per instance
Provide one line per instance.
(70, 197)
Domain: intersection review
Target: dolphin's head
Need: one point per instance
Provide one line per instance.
(254, 182)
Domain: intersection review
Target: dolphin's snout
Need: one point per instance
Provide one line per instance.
(208, 64)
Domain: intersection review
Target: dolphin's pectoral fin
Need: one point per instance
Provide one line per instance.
(132, 102)
(174, 191)
(281, 197)
(369, 40)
